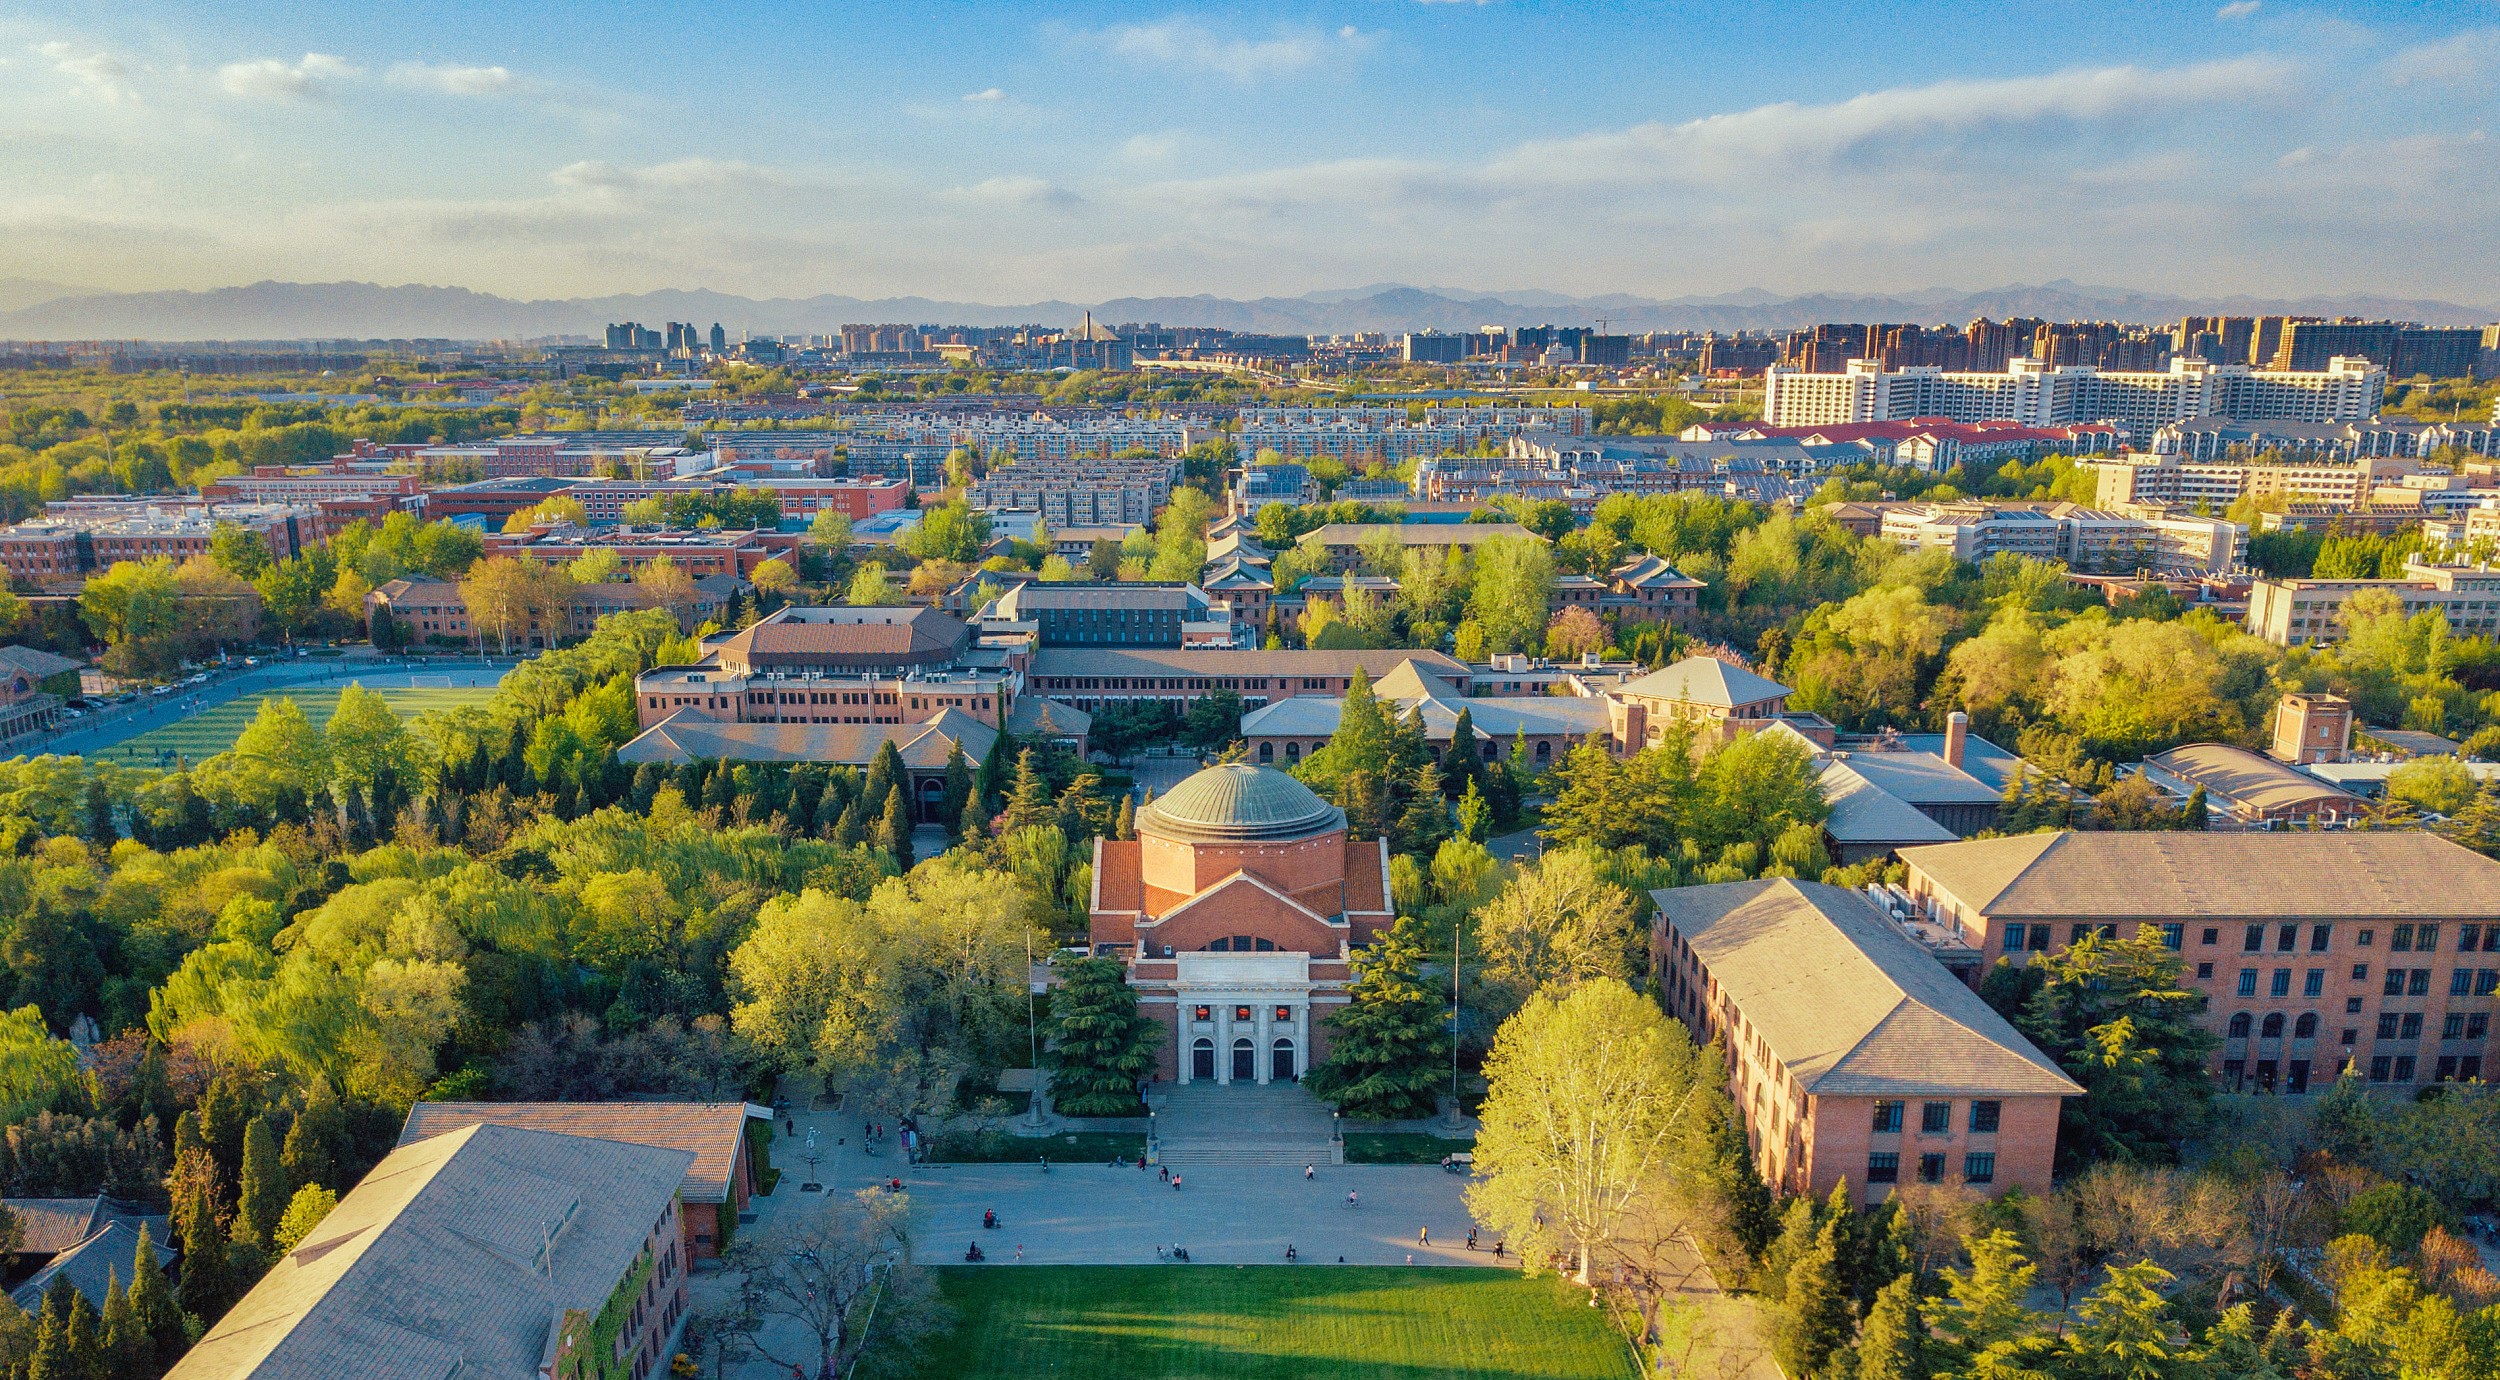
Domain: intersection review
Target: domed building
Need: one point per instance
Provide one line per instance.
(1237, 907)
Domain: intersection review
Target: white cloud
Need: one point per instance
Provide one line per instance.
(682, 175)
(271, 79)
(1023, 191)
(99, 74)
(450, 79)
(1184, 44)
(2238, 9)
(990, 96)
(2465, 59)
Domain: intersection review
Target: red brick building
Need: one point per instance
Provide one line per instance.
(1238, 906)
(1853, 1053)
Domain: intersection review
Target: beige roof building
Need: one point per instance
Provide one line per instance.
(2378, 874)
(2247, 787)
(687, 736)
(713, 1132)
(458, 1256)
(1850, 1005)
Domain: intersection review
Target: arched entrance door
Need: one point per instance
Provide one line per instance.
(1202, 1058)
(1282, 1069)
(933, 802)
(1245, 1060)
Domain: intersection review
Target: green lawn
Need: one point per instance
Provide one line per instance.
(212, 731)
(1401, 1147)
(1220, 1322)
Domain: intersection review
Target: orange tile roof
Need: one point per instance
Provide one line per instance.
(1366, 876)
(712, 1132)
(1116, 875)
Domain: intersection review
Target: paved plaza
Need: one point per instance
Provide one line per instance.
(1090, 1214)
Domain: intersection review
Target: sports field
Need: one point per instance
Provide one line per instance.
(1310, 1322)
(212, 731)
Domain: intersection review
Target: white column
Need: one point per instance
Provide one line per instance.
(1181, 1010)
(1260, 1059)
(1224, 1041)
(1302, 1038)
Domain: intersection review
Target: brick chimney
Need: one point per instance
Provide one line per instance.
(1956, 732)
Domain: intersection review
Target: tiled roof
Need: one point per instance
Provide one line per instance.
(846, 637)
(1991, 766)
(93, 1265)
(710, 1131)
(1920, 778)
(1151, 661)
(2236, 774)
(1038, 716)
(439, 1262)
(1863, 812)
(53, 1225)
(1849, 1004)
(2372, 874)
(1706, 680)
(686, 736)
(1415, 533)
(36, 662)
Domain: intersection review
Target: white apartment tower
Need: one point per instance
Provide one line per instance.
(2034, 394)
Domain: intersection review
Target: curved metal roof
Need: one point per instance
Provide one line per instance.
(1239, 803)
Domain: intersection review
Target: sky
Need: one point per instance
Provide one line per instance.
(1010, 153)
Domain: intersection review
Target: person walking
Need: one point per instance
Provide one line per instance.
(1307, 1172)
(1471, 1238)
(1164, 1172)
(1176, 1183)
(1423, 1236)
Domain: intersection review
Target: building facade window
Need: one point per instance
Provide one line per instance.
(1979, 1167)
(1935, 1118)
(1883, 1167)
(1887, 1118)
(1985, 1116)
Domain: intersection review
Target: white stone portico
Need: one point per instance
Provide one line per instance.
(1243, 1016)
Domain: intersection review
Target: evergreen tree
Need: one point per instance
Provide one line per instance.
(1893, 1344)
(191, 823)
(894, 829)
(152, 1300)
(1475, 815)
(1753, 1217)
(1362, 740)
(2125, 1328)
(1987, 1307)
(845, 830)
(1100, 1047)
(207, 1285)
(1369, 808)
(958, 782)
(720, 790)
(885, 772)
(2197, 814)
(83, 1339)
(263, 1194)
(1814, 1319)
(124, 1346)
(100, 831)
(797, 814)
(689, 781)
(2117, 1017)
(974, 826)
(1462, 762)
(998, 765)
(1389, 1046)
(303, 1213)
(1426, 820)
(315, 1140)
(53, 1359)
(1029, 803)
(1124, 825)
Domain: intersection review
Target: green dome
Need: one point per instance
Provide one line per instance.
(1239, 803)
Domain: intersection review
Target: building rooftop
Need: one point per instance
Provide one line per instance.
(1851, 1003)
(1863, 812)
(1415, 533)
(1706, 680)
(1848, 1003)
(1921, 778)
(1158, 661)
(1239, 803)
(2248, 778)
(709, 1131)
(93, 1265)
(846, 636)
(457, 1256)
(2258, 875)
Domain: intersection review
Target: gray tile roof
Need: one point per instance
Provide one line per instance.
(95, 1264)
(1706, 680)
(1921, 778)
(710, 1131)
(1991, 766)
(456, 1256)
(687, 736)
(2369, 874)
(1863, 812)
(1848, 1003)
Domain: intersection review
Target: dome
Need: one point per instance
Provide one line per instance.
(1239, 803)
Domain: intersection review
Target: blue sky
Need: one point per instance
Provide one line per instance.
(1008, 152)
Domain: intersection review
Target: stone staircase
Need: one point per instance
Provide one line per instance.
(1240, 1124)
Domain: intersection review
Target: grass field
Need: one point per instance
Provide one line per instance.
(212, 731)
(1207, 1322)
(1401, 1147)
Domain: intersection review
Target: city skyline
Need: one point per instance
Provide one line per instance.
(976, 152)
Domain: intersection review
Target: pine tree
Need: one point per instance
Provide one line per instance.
(1124, 824)
(100, 831)
(845, 831)
(2196, 814)
(1893, 1344)
(1389, 1046)
(1815, 1317)
(997, 766)
(958, 782)
(1029, 803)
(1362, 740)
(152, 1300)
(1368, 805)
(797, 812)
(1462, 762)
(894, 829)
(1100, 1047)
(720, 790)
(315, 1140)
(974, 825)
(885, 771)
(1987, 1306)
(1426, 820)
(2125, 1328)
(207, 1273)
(53, 1359)
(1475, 815)
(263, 1194)
(124, 1346)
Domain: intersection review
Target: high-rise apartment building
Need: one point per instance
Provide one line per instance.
(2037, 394)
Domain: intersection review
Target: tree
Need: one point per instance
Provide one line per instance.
(1389, 1045)
(124, 1350)
(809, 1289)
(1596, 1104)
(243, 552)
(597, 566)
(1893, 1344)
(2434, 785)
(1558, 923)
(830, 532)
(775, 577)
(1987, 1307)
(1514, 586)
(208, 1283)
(366, 744)
(36, 1071)
(894, 828)
(949, 532)
(503, 596)
(1100, 1048)
(1814, 1317)
(263, 1196)
(871, 587)
(2125, 1329)
(1028, 802)
(2117, 1018)
(669, 585)
(959, 783)
(304, 1212)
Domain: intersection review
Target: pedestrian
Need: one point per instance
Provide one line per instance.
(1497, 1250)
(1423, 1236)
(1410, 1257)
(1019, 1253)
(1471, 1238)
(1176, 1183)
(1164, 1172)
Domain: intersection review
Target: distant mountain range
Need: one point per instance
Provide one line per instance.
(297, 311)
